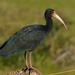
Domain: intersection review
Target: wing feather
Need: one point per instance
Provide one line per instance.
(28, 38)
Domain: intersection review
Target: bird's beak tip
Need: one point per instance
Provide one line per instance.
(66, 28)
(65, 25)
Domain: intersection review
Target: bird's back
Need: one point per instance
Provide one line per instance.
(28, 38)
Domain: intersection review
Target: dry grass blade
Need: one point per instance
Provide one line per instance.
(63, 72)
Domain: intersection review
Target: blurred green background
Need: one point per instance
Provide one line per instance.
(57, 53)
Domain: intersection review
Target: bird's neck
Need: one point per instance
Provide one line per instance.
(49, 24)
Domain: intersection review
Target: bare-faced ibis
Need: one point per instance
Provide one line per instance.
(29, 37)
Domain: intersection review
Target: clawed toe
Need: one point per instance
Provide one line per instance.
(32, 68)
(24, 69)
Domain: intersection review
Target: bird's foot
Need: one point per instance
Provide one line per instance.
(24, 69)
(32, 68)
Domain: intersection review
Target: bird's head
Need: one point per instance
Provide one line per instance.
(51, 13)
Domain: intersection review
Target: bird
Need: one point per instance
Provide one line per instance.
(29, 38)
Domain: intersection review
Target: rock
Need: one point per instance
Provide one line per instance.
(23, 72)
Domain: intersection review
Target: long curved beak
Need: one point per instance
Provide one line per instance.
(57, 17)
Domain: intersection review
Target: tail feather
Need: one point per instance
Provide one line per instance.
(9, 47)
(3, 45)
(6, 49)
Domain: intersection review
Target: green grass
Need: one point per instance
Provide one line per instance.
(15, 14)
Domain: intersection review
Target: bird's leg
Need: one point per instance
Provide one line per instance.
(25, 57)
(24, 69)
(30, 64)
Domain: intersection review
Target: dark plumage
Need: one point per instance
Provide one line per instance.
(29, 37)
